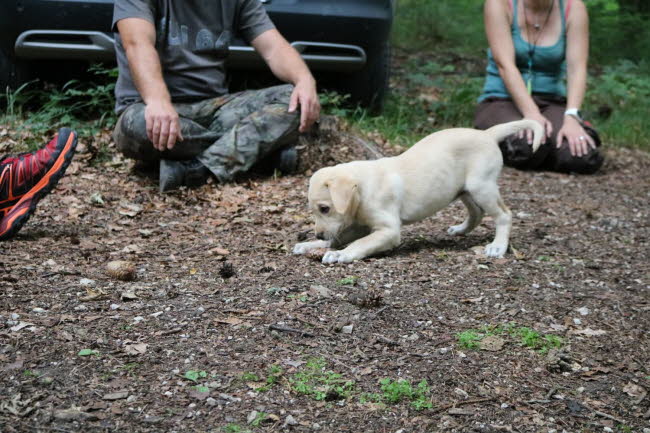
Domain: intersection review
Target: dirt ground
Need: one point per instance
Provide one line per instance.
(223, 330)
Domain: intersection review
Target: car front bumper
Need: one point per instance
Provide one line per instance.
(340, 33)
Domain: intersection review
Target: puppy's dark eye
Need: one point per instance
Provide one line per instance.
(324, 209)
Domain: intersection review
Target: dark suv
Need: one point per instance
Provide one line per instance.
(344, 41)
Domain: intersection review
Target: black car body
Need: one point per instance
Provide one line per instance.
(347, 39)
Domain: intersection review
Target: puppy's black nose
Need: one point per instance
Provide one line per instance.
(320, 235)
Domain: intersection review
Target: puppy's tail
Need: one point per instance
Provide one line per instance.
(501, 131)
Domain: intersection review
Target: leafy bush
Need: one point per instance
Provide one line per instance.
(38, 108)
(617, 102)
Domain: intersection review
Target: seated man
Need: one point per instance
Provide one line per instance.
(28, 177)
(173, 101)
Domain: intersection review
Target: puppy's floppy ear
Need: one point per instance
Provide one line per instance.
(344, 193)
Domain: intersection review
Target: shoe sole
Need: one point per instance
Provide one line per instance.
(21, 211)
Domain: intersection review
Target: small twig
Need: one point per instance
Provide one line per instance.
(381, 310)
(387, 341)
(313, 304)
(550, 393)
(605, 415)
(51, 274)
(171, 331)
(281, 328)
(462, 403)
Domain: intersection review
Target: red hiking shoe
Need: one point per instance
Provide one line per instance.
(28, 177)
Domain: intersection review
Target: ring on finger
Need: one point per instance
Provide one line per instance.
(582, 137)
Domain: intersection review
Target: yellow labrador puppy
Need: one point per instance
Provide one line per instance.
(365, 203)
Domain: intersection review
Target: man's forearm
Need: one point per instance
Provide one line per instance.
(146, 72)
(289, 66)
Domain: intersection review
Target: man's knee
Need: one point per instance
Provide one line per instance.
(280, 94)
(130, 133)
(131, 126)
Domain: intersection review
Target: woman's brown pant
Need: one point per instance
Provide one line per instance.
(517, 152)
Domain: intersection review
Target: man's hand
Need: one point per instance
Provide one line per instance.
(304, 95)
(579, 141)
(163, 126)
(139, 37)
(286, 64)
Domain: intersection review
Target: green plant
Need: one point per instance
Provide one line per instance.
(348, 281)
(259, 418)
(618, 100)
(624, 428)
(250, 377)
(235, 428)
(469, 339)
(37, 109)
(393, 392)
(426, 25)
(534, 340)
(321, 384)
(334, 103)
(88, 352)
(195, 375)
(129, 368)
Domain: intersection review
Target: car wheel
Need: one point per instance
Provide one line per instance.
(12, 72)
(369, 86)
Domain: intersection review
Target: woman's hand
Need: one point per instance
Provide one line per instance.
(578, 139)
(546, 124)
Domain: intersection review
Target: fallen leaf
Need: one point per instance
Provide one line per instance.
(588, 332)
(119, 395)
(492, 343)
(321, 291)
(135, 349)
(20, 326)
(129, 209)
(460, 411)
(128, 295)
(218, 251)
(93, 294)
(230, 321)
(96, 199)
(635, 391)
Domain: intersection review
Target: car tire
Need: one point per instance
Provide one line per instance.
(12, 72)
(369, 86)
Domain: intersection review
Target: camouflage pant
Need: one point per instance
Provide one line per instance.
(228, 134)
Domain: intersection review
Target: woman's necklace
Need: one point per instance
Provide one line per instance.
(533, 46)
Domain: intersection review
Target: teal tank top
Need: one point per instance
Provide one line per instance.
(549, 65)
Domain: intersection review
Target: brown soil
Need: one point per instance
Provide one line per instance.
(217, 294)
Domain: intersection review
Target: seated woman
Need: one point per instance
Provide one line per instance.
(534, 44)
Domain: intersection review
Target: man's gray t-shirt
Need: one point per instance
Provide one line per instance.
(192, 38)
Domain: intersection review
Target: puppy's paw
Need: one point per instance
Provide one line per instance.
(336, 257)
(495, 250)
(305, 247)
(456, 230)
(301, 248)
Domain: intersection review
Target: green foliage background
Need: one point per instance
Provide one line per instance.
(451, 32)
